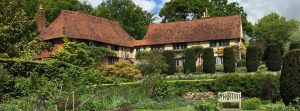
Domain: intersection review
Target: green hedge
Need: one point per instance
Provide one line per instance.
(190, 58)
(209, 61)
(229, 60)
(252, 62)
(290, 76)
(169, 56)
(294, 46)
(273, 57)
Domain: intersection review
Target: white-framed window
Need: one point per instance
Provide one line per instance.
(219, 43)
(219, 60)
(158, 47)
(180, 46)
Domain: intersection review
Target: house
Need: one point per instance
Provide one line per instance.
(216, 32)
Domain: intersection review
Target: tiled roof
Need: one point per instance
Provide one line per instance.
(193, 31)
(83, 26)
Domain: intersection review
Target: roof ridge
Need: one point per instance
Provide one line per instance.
(163, 23)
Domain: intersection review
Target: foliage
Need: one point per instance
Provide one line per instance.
(277, 107)
(209, 61)
(241, 63)
(152, 63)
(289, 79)
(178, 10)
(260, 45)
(169, 56)
(252, 59)
(273, 57)
(294, 46)
(53, 8)
(198, 50)
(251, 104)
(274, 28)
(156, 87)
(82, 54)
(131, 17)
(190, 58)
(16, 28)
(248, 85)
(124, 70)
(207, 106)
(229, 60)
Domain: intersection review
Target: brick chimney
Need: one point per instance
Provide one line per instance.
(41, 20)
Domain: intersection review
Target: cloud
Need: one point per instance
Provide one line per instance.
(147, 5)
(256, 9)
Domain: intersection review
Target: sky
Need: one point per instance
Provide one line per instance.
(254, 8)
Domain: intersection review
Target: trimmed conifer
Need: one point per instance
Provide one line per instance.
(290, 77)
(252, 59)
(209, 60)
(229, 60)
(273, 57)
(169, 57)
(295, 46)
(190, 58)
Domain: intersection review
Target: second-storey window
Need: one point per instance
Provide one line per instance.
(219, 43)
(180, 46)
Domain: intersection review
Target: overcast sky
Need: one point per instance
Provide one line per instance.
(254, 8)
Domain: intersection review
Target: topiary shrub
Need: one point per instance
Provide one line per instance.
(229, 60)
(190, 58)
(273, 57)
(169, 57)
(251, 104)
(209, 61)
(252, 59)
(290, 77)
(294, 46)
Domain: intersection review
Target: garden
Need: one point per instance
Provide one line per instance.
(73, 80)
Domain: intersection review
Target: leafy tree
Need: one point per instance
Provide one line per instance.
(54, 7)
(190, 58)
(274, 28)
(81, 54)
(130, 16)
(290, 77)
(16, 28)
(273, 57)
(252, 61)
(169, 56)
(229, 60)
(152, 63)
(209, 61)
(178, 10)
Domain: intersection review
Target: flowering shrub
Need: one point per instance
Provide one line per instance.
(124, 70)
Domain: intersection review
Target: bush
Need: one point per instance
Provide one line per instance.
(273, 57)
(277, 107)
(229, 60)
(294, 46)
(190, 58)
(124, 70)
(241, 63)
(252, 59)
(207, 106)
(248, 85)
(155, 86)
(152, 63)
(209, 61)
(251, 104)
(169, 56)
(290, 77)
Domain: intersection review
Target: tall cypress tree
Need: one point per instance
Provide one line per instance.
(190, 61)
(252, 59)
(229, 60)
(273, 57)
(209, 61)
(169, 57)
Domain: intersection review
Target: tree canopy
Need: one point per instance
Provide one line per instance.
(274, 28)
(130, 16)
(178, 10)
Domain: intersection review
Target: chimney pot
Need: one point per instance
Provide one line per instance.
(41, 20)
